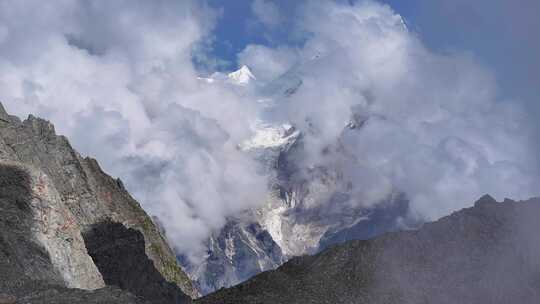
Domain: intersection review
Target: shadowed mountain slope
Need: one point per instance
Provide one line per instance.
(485, 254)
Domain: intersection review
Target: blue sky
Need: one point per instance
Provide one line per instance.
(238, 27)
(500, 35)
(495, 32)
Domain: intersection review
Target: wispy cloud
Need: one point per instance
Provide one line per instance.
(436, 127)
(267, 12)
(118, 79)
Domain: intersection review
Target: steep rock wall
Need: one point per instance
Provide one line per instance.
(67, 195)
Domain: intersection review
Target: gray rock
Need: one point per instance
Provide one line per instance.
(49, 197)
(3, 114)
(241, 250)
(119, 254)
(307, 210)
(7, 299)
(23, 257)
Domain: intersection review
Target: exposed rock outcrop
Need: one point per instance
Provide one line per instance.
(485, 254)
(41, 293)
(118, 253)
(240, 251)
(306, 210)
(50, 197)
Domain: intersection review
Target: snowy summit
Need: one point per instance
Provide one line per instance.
(242, 77)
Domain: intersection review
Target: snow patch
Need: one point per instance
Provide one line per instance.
(269, 137)
(242, 77)
(229, 248)
(206, 79)
(272, 221)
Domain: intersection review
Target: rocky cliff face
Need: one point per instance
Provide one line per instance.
(311, 204)
(51, 199)
(484, 254)
(306, 210)
(241, 250)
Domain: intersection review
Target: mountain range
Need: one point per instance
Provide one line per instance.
(307, 209)
(70, 233)
(484, 254)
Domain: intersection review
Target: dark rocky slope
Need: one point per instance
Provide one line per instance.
(52, 203)
(118, 253)
(42, 293)
(489, 253)
(27, 274)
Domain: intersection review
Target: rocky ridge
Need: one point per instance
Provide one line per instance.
(50, 199)
(484, 254)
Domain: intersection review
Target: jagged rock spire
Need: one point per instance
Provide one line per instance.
(485, 200)
(3, 114)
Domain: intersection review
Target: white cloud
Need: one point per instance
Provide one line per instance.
(267, 12)
(268, 63)
(117, 78)
(436, 128)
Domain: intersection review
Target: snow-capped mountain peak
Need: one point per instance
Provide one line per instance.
(243, 76)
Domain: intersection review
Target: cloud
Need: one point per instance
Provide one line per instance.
(433, 125)
(268, 63)
(266, 12)
(117, 78)
(498, 32)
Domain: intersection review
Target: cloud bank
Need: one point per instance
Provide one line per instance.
(267, 12)
(433, 125)
(118, 79)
